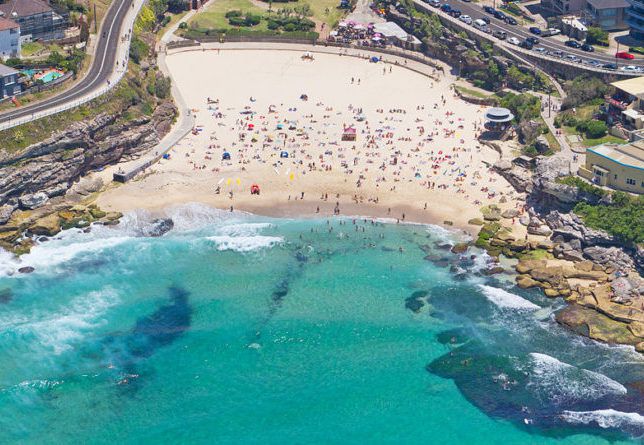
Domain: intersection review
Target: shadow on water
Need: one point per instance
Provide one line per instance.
(507, 387)
(126, 351)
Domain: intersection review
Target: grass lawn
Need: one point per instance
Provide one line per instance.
(473, 93)
(214, 17)
(30, 48)
(608, 139)
(174, 18)
(319, 8)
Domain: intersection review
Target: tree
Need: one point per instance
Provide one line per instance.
(584, 89)
(597, 36)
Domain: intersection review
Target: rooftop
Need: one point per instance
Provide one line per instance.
(633, 86)
(630, 155)
(7, 24)
(608, 4)
(499, 115)
(391, 29)
(24, 8)
(6, 70)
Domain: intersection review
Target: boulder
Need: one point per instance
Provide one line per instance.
(475, 222)
(590, 323)
(542, 230)
(460, 248)
(510, 213)
(158, 227)
(493, 270)
(525, 282)
(572, 255)
(524, 220)
(584, 265)
(26, 269)
(525, 266)
(47, 226)
(33, 201)
(5, 213)
(551, 275)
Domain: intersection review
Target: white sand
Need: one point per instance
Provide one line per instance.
(319, 162)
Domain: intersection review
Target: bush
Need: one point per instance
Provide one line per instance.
(595, 129)
(138, 50)
(597, 36)
(585, 89)
(162, 86)
(233, 13)
(183, 25)
(623, 218)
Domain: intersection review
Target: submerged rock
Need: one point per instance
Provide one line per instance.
(26, 269)
(6, 295)
(158, 227)
(416, 301)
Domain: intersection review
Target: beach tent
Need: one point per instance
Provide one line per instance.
(284, 154)
(375, 59)
(251, 126)
(254, 189)
(226, 156)
(349, 133)
(280, 126)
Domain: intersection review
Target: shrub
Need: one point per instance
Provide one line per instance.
(233, 13)
(595, 129)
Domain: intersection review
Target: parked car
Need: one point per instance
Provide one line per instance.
(434, 3)
(559, 54)
(446, 8)
(514, 41)
(571, 58)
(499, 15)
(624, 55)
(501, 35)
(630, 69)
(573, 44)
(610, 66)
(480, 25)
(594, 63)
(588, 48)
(540, 49)
(489, 10)
(533, 40)
(466, 19)
(536, 31)
(550, 32)
(510, 20)
(456, 13)
(526, 44)
(485, 19)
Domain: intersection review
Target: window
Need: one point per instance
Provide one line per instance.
(630, 181)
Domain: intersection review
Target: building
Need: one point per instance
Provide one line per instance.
(9, 85)
(563, 7)
(395, 35)
(617, 166)
(626, 106)
(37, 19)
(9, 38)
(635, 19)
(609, 15)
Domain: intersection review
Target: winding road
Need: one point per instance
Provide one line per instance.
(103, 65)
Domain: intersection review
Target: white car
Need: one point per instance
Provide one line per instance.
(630, 69)
(540, 49)
(514, 40)
(465, 19)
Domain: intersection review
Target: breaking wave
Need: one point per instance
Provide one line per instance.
(506, 300)
(605, 418)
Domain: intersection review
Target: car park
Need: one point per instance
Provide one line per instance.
(536, 31)
(510, 20)
(588, 48)
(466, 19)
(624, 55)
(514, 41)
(573, 44)
(501, 35)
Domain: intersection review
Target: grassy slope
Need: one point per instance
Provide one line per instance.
(214, 16)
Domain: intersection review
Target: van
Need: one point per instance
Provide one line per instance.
(480, 24)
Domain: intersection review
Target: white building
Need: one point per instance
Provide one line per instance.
(9, 38)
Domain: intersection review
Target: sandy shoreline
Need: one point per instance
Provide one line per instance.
(415, 157)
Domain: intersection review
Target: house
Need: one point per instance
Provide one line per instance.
(9, 38)
(617, 166)
(37, 19)
(609, 15)
(626, 105)
(635, 19)
(9, 85)
(563, 7)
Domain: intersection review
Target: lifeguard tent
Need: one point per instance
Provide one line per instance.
(349, 133)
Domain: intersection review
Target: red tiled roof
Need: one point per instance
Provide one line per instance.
(7, 24)
(24, 8)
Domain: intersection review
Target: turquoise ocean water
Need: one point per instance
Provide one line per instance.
(234, 329)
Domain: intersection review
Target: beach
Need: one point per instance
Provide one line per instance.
(277, 120)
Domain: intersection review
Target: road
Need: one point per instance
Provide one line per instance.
(549, 43)
(103, 64)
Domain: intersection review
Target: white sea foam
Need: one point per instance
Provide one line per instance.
(605, 418)
(558, 381)
(244, 243)
(56, 331)
(506, 300)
